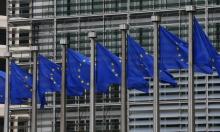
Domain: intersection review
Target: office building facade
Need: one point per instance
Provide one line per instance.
(45, 22)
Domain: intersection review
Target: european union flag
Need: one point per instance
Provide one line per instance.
(204, 49)
(145, 62)
(21, 84)
(136, 71)
(174, 53)
(108, 69)
(78, 73)
(2, 87)
(135, 78)
(49, 77)
(201, 51)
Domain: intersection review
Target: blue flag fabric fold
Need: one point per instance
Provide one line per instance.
(202, 55)
(78, 73)
(174, 53)
(135, 78)
(20, 84)
(216, 63)
(145, 62)
(136, 70)
(109, 72)
(49, 77)
(210, 57)
(108, 69)
(2, 87)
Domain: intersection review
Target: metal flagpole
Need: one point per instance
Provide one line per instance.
(191, 101)
(156, 91)
(54, 57)
(207, 77)
(63, 87)
(124, 116)
(7, 87)
(7, 91)
(92, 120)
(34, 90)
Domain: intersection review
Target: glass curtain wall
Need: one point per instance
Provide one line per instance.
(47, 21)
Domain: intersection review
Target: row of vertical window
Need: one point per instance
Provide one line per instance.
(45, 8)
(174, 116)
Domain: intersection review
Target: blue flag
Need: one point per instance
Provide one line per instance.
(201, 50)
(20, 84)
(108, 69)
(216, 63)
(78, 73)
(174, 53)
(2, 87)
(209, 55)
(49, 77)
(145, 62)
(136, 71)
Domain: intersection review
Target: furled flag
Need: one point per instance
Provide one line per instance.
(78, 73)
(108, 69)
(20, 84)
(145, 62)
(204, 50)
(174, 53)
(2, 87)
(49, 77)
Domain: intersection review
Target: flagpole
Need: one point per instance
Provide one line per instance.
(191, 97)
(34, 91)
(156, 91)
(7, 85)
(124, 116)
(7, 55)
(206, 77)
(92, 120)
(63, 87)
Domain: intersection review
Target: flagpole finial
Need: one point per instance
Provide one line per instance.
(124, 27)
(63, 41)
(34, 48)
(92, 34)
(190, 8)
(155, 18)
